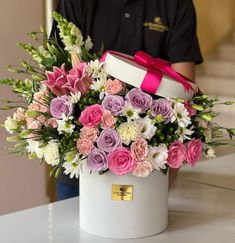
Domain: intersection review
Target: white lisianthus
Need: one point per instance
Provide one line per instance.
(146, 127)
(210, 152)
(184, 133)
(73, 166)
(34, 147)
(208, 134)
(65, 125)
(10, 124)
(157, 156)
(74, 98)
(180, 115)
(128, 132)
(130, 112)
(51, 153)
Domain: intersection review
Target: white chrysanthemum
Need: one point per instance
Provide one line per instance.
(184, 133)
(130, 112)
(51, 153)
(157, 156)
(65, 125)
(10, 124)
(96, 70)
(74, 98)
(181, 115)
(146, 127)
(128, 132)
(73, 167)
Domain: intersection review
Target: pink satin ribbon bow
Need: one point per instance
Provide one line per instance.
(156, 68)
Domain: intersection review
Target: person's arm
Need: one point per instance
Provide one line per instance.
(185, 68)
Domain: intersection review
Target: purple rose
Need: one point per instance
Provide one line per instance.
(60, 106)
(139, 99)
(108, 140)
(97, 161)
(113, 103)
(162, 107)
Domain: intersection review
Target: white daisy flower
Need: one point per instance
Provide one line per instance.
(130, 112)
(73, 167)
(98, 85)
(74, 98)
(65, 125)
(146, 126)
(184, 133)
(180, 115)
(157, 156)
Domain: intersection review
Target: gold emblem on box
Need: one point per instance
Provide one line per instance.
(122, 192)
(157, 25)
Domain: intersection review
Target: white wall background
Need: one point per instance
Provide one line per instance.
(22, 182)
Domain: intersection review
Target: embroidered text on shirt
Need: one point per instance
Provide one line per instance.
(157, 25)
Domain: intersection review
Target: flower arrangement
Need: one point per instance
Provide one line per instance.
(77, 113)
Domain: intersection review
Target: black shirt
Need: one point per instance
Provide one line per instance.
(162, 28)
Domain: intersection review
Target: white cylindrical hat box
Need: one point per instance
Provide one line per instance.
(123, 207)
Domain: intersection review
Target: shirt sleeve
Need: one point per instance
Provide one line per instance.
(71, 10)
(182, 44)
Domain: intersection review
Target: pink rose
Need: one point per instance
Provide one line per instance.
(89, 133)
(176, 155)
(194, 151)
(113, 87)
(56, 80)
(84, 146)
(42, 119)
(190, 109)
(108, 120)
(91, 116)
(78, 80)
(120, 161)
(142, 169)
(139, 149)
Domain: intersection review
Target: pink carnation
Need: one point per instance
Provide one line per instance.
(142, 169)
(139, 149)
(91, 116)
(120, 161)
(113, 87)
(176, 155)
(190, 109)
(108, 120)
(84, 146)
(194, 151)
(89, 133)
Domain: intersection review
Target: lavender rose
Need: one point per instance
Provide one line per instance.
(162, 107)
(60, 106)
(139, 99)
(113, 103)
(97, 160)
(108, 140)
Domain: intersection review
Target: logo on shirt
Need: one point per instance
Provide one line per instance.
(157, 25)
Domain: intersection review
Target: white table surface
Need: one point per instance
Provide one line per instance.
(198, 213)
